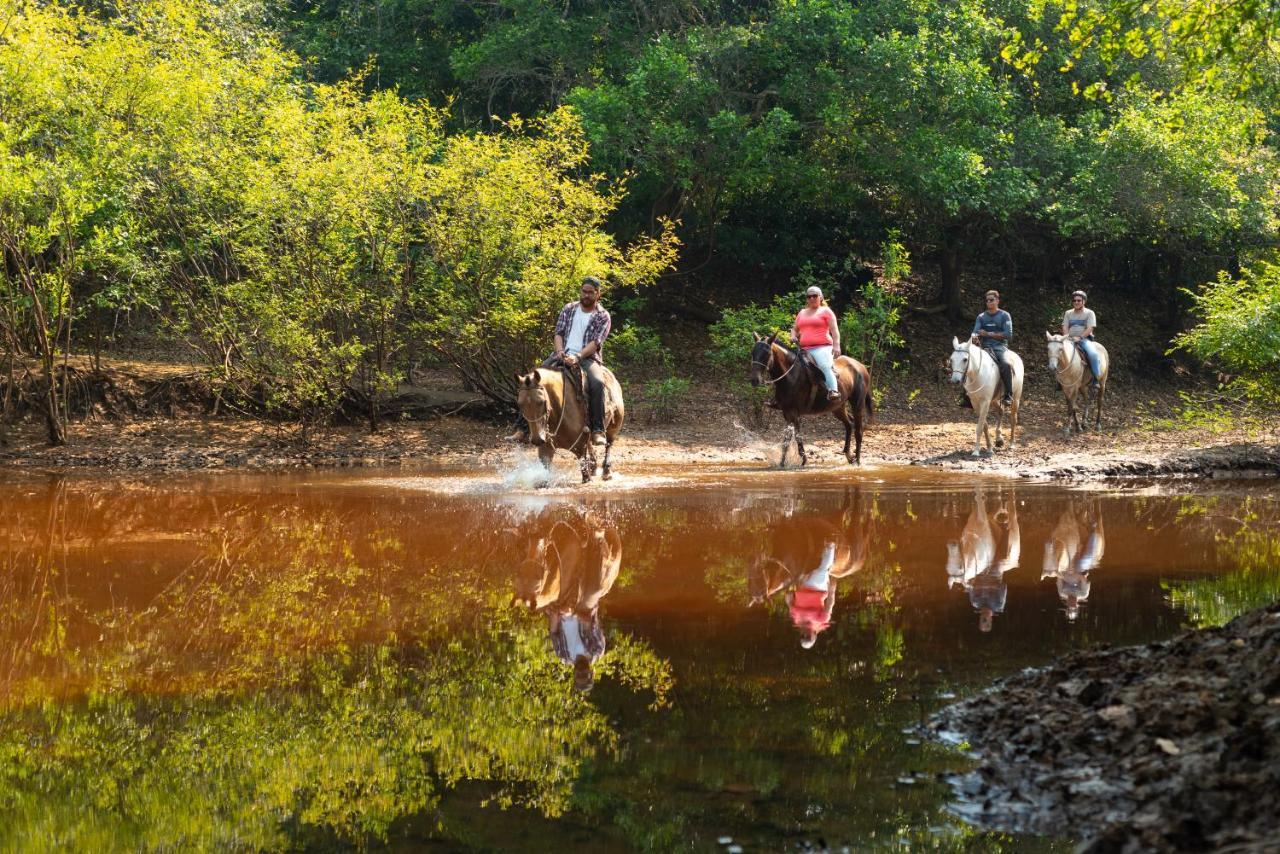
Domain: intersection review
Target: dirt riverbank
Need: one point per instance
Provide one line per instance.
(1173, 746)
(934, 438)
(154, 420)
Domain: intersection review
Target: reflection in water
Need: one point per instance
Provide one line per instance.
(568, 569)
(294, 662)
(1073, 550)
(806, 558)
(978, 561)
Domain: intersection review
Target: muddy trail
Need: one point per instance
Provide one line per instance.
(1173, 746)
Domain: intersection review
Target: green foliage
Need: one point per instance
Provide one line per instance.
(667, 398)
(732, 337)
(1239, 329)
(639, 347)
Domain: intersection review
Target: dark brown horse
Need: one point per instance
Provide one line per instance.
(798, 391)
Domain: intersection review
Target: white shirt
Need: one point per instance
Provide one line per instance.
(571, 627)
(578, 332)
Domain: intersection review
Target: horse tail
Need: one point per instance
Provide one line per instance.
(867, 401)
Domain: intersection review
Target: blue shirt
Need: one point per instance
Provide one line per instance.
(1001, 321)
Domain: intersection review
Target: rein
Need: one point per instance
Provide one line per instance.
(769, 364)
(971, 367)
(545, 419)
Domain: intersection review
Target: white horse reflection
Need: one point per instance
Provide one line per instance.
(972, 561)
(1072, 552)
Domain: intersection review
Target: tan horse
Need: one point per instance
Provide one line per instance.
(1071, 369)
(557, 423)
(977, 369)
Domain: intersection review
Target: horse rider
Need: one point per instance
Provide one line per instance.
(1078, 324)
(581, 329)
(994, 330)
(817, 332)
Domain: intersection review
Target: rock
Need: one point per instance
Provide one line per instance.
(1120, 716)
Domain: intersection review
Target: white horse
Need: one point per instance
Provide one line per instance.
(1069, 365)
(977, 369)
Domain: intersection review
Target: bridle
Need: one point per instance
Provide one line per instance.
(969, 366)
(544, 419)
(769, 364)
(1074, 348)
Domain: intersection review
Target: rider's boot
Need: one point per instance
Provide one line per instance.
(965, 402)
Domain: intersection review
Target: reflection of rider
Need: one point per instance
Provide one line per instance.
(1078, 324)
(1070, 564)
(814, 598)
(972, 564)
(573, 620)
(807, 558)
(581, 330)
(994, 330)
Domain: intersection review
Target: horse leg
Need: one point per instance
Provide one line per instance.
(999, 424)
(1013, 420)
(546, 453)
(857, 433)
(608, 449)
(587, 464)
(844, 416)
(1097, 406)
(804, 458)
(979, 428)
(787, 435)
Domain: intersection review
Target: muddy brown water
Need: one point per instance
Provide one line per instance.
(457, 659)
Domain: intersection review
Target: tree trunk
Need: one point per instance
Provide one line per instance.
(952, 265)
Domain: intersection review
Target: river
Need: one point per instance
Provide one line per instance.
(702, 658)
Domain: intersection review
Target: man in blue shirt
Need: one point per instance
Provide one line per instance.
(994, 331)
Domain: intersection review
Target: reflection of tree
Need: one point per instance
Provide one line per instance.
(1248, 537)
(305, 676)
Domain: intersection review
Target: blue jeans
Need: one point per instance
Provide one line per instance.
(1091, 355)
(823, 358)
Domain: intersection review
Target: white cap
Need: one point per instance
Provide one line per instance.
(814, 291)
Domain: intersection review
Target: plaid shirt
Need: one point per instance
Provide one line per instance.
(597, 327)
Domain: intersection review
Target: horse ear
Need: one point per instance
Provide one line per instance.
(1047, 336)
(955, 343)
(534, 379)
(773, 337)
(756, 335)
(519, 378)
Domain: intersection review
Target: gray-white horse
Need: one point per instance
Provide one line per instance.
(977, 369)
(1068, 363)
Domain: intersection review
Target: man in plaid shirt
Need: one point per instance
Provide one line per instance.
(581, 330)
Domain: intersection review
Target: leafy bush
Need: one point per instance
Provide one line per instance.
(1240, 330)
(667, 397)
(731, 339)
(639, 347)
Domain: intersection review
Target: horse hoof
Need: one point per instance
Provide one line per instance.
(607, 476)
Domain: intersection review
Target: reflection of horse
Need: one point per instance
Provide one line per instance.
(972, 562)
(798, 393)
(566, 573)
(1073, 550)
(557, 423)
(806, 558)
(977, 369)
(1072, 371)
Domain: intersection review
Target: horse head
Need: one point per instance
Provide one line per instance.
(535, 406)
(959, 359)
(1057, 350)
(761, 357)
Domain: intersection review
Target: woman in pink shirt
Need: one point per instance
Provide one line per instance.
(817, 332)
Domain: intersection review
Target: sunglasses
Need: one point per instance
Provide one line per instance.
(993, 299)
(815, 296)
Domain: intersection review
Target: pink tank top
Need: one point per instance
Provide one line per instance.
(813, 329)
